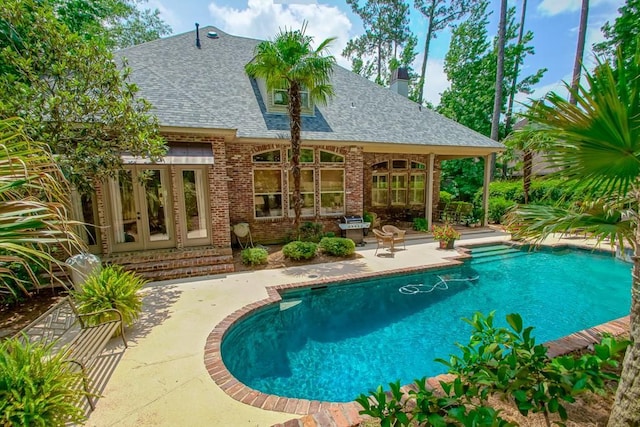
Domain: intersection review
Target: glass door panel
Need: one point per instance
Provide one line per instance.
(195, 206)
(155, 195)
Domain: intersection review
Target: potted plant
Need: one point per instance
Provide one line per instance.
(446, 235)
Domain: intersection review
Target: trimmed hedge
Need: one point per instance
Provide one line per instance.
(254, 256)
(498, 206)
(300, 250)
(338, 246)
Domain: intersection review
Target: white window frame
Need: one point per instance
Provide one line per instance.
(393, 190)
(262, 194)
(323, 211)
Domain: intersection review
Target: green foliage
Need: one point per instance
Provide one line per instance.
(382, 20)
(498, 208)
(543, 191)
(337, 246)
(254, 256)
(36, 387)
(420, 224)
(624, 34)
(508, 363)
(501, 362)
(71, 93)
(311, 232)
(33, 206)
(445, 197)
(462, 178)
(120, 23)
(111, 288)
(298, 250)
(329, 234)
(367, 217)
(470, 65)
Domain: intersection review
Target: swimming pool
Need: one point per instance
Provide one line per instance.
(333, 343)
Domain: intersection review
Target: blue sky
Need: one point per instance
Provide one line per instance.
(553, 22)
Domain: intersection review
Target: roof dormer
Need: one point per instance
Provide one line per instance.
(277, 99)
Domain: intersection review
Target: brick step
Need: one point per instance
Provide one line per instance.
(173, 264)
(126, 258)
(195, 271)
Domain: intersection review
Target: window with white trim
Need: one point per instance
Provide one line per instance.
(398, 189)
(267, 193)
(307, 193)
(380, 190)
(416, 188)
(332, 192)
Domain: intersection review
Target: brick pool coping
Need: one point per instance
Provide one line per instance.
(322, 413)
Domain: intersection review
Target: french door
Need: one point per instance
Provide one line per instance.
(141, 209)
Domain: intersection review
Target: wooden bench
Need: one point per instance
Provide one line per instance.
(67, 332)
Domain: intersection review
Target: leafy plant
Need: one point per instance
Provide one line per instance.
(310, 232)
(337, 246)
(498, 207)
(497, 362)
(300, 250)
(420, 224)
(36, 387)
(509, 363)
(112, 287)
(254, 256)
(33, 199)
(444, 233)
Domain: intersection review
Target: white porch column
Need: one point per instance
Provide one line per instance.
(429, 190)
(485, 189)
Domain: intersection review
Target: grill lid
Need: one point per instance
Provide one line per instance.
(349, 219)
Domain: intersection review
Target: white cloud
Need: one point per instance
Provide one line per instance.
(168, 15)
(263, 19)
(555, 7)
(436, 81)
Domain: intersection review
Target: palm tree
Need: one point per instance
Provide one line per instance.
(598, 145)
(33, 211)
(582, 35)
(497, 101)
(289, 62)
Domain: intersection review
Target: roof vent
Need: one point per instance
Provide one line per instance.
(212, 35)
(197, 36)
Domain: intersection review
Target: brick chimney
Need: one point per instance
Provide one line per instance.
(400, 81)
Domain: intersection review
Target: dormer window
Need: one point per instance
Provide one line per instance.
(281, 98)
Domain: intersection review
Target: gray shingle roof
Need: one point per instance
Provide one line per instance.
(208, 88)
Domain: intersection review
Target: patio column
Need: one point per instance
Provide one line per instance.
(429, 191)
(485, 189)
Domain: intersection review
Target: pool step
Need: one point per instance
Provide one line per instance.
(493, 253)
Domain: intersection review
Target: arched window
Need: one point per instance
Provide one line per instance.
(272, 156)
(329, 157)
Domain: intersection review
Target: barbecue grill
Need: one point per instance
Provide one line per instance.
(353, 227)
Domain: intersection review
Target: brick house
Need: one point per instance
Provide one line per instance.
(371, 149)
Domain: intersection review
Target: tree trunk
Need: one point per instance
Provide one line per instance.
(516, 71)
(582, 34)
(295, 127)
(497, 102)
(526, 174)
(626, 408)
(427, 42)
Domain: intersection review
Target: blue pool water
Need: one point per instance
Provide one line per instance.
(334, 343)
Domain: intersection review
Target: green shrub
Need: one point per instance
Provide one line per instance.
(36, 388)
(338, 246)
(300, 250)
(112, 287)
(254, 256)
(420, 224)
(445, 197)
(311, 232)
(498, 206)
(367, 217)
(329, 234)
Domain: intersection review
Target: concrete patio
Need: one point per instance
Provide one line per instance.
(161, 380)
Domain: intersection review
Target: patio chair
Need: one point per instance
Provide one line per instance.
(398, 235)
(383, 240)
